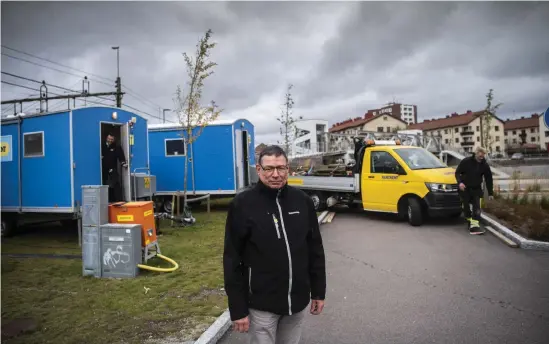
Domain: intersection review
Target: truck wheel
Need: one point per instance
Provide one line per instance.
(319, 201)
(167, 205)
(9, 224)
(415, 213)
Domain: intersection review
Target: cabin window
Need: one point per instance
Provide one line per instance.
(33, 144)
(175, 147)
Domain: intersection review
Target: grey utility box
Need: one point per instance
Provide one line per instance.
(95, 212)
(143, 185)
(91, 247)
(120, 250)
(95, 205)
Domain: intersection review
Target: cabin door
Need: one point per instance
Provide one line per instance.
(125, 172)
(245, 157)
(239, 159)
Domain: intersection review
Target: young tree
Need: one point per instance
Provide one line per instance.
(193, 116)
(486, 119)
(287, 121)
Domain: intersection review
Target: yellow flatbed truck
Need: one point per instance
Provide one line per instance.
(388, 177)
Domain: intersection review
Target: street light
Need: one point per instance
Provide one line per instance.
(117, 60)
(164, 115)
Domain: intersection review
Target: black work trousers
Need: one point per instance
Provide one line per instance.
(115, 187)
(468, 197)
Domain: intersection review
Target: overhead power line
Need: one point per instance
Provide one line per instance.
(28, 88)
(57, 63)
(55, 69)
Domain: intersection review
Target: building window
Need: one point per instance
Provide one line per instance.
(384, 118)
(547, 133)
(175, 147)
(457, 140)
(379, 129)
(514, 132)
(496, 128)
(478, 138)
(478, 128)
(514, 140)
(388, 129)
(446, 141)
(497, 148)
(456, 130)
(497, 138)
(33, 144)
(505, 133)
(533, 139)
(505, 141)
(446, 131)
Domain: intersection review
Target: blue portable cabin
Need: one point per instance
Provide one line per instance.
(221, 161)
(47, 157)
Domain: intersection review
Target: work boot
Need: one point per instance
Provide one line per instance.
(475, 228)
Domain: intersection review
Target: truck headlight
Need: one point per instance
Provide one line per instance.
(436, 187)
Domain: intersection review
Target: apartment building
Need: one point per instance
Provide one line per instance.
(524, 130)
(310, 137)
(384, 123)
(461, 132)
(406, 112)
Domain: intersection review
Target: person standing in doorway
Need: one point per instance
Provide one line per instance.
(469, 174)
(273, 261)
(112, 154)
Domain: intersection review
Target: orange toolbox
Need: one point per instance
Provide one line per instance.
(141, 213)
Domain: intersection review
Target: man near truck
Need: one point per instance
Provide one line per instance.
(469, 174)
(273, 260)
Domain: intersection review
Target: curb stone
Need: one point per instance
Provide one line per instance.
(519, 240)
(223, 322)
(216, 330)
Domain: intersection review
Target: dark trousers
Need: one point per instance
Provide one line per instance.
(468, 197)
(115, 187)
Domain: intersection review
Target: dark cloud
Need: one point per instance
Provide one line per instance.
(343, 57)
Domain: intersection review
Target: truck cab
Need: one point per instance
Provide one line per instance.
(388, 177)
(406, 180)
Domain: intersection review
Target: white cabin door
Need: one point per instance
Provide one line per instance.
(239, 160)
(125, 172)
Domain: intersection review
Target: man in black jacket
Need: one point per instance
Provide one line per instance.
(273, 260)
(469, 175)
(112, 154)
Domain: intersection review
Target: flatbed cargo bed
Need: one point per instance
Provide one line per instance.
(337, 184)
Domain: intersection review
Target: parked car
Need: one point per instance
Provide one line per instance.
(517, 156)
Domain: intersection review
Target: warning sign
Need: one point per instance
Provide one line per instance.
(5, 148)
(147, 181)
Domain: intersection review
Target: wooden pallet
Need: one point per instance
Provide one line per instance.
(329, 217)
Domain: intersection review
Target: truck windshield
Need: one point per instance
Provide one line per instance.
(419, 159)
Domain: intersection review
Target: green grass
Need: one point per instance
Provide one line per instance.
(70, 308)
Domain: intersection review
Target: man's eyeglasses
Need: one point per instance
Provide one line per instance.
(280, 169)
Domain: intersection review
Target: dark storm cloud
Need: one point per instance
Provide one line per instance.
(343, 57)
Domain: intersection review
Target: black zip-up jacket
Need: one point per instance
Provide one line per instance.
(273, 258)
(470, 173)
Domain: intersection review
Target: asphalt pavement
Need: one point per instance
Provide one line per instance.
(389, 282)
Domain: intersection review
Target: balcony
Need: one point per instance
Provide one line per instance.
(467, 133)
(467, 143)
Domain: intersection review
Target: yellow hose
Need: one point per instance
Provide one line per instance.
(152, 268)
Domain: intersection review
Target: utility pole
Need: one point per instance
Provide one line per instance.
(164, 115)
(118, 83)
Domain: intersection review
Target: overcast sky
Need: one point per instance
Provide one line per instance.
(343, 58)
